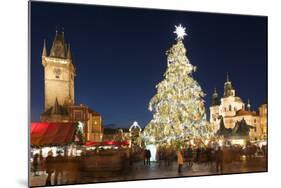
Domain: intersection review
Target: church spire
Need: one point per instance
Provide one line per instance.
(215, 98)
(44, 52)
(227, 77)
(228, 89)
(69, 56)
(249, 105)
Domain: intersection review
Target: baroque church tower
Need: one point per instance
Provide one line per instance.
(59, 74)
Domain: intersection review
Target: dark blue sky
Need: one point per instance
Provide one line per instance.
(119, 54)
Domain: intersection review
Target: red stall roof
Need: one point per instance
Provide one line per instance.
(107, 143)
(51, 134)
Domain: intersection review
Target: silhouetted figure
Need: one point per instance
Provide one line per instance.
(167, 156)
(144, 157)
(264, 150)
(59, 162)
(41, 162)
(219, 159)
(160, 156)
(49, 167)
(189, 156)
(131, 158)
(209, 155)
(35, 164)
(198, 154)
(148, 156)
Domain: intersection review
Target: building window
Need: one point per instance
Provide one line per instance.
(229, 107)
(225, 109)
(77, 115)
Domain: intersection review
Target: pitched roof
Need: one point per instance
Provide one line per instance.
(241, 128)
(245, 113)
(57, 109)
(59, 47)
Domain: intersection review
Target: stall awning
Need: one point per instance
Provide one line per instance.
(52, 134)
(107, 143)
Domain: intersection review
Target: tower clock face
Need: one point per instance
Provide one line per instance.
(57, 71)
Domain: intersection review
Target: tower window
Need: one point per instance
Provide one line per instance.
(57, 76)
(229, 107)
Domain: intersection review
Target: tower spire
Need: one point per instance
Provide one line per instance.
(44, 52)
(215, 98)
(56, 30)
(56, 107)
(215, 90)
(249, 105)
(227, 77)
(59, 47)
(68, 56)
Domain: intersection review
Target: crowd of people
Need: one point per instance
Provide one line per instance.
(208, 155)
(61, 167)
(56, 168)
(146, 157)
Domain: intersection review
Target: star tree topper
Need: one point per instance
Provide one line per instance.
(180, 31)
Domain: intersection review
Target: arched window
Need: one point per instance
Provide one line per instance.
(229, 107)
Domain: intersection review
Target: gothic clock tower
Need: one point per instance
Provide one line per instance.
(59, 73)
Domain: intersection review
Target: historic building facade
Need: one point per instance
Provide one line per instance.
(59, 102)
(232, 109)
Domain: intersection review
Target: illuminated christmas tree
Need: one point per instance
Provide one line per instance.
(178, 107)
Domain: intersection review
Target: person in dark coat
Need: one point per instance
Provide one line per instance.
(198, 154)
(49, 167)
(35, 164)
(189, 156)
(59, 162)
(219, 159)
(148, 156)
(144, 157)
(209, 155)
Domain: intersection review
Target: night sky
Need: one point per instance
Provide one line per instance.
(119, 54)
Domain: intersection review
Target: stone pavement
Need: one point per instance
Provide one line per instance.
(139, 171)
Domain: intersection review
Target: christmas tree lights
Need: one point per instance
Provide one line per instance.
(178, 106)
